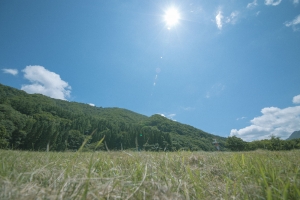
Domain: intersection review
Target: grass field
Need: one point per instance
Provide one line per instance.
(150, 175)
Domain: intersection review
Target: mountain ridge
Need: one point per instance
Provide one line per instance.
(31, 121)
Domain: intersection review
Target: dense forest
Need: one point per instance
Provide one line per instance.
(36, 122)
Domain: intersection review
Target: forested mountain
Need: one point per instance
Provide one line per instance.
(33, 121)
(183, 135)
(294, 135)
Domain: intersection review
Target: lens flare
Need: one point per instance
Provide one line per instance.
(171, 17)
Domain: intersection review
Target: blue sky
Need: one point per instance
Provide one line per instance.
(227, 67)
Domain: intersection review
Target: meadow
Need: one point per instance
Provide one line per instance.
(150, 175)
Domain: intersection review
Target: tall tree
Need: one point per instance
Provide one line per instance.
(235, 144)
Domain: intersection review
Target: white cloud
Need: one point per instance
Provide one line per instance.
(293, 23)
(296, 99)
(10, 71)
(273, 121)
(272, 2)
(219, 18)
(252, 5)
(295, 1)
(91, 104)
(45, 82)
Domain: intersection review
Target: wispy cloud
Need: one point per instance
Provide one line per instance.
(294, 23)
(45, 82)
(296, 99)
(155, 80)
(207, 95)
(188, 108)
(273, 121)
(215, 90)
(232, 18)
(10, 71)
(240, 118)
(252, 5)
(272, 2)
(295, 1)
(219, 18)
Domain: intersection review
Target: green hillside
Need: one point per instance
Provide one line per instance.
(32, 121)
(294, 135)
(183, 135)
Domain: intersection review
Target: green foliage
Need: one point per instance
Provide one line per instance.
(75, 139)
(3, 137)
(235, 144)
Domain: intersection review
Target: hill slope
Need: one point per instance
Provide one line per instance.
(294, 135)
(32, 121)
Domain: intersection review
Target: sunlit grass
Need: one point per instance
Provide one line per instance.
(149, 175)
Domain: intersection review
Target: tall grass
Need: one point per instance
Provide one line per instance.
(149, 175)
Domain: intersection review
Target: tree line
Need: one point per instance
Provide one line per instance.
(273, 144)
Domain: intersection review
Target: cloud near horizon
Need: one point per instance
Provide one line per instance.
(273, 121)
(10, 71)
(45, 82)
(170, 116)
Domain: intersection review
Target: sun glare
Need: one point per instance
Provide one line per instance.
(171, 17)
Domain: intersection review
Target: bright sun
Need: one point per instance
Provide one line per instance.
(171, 17)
